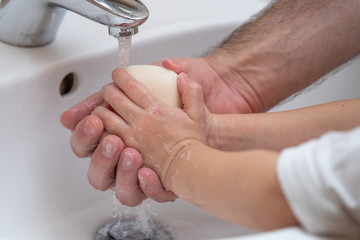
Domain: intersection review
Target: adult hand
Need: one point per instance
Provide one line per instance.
(224, 90)
(111, 164)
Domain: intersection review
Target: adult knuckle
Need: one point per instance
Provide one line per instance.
(80, 152)
(96, 185)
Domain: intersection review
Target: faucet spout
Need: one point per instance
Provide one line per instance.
(35, 23)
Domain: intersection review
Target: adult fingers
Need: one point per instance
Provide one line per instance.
(127, 187)
(152, 187)
(71, 117)
(102, 168)
(177, 65)
(87, 134)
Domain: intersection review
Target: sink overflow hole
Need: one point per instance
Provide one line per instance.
(68, 84)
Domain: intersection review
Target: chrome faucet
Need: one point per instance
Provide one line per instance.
(32, 23)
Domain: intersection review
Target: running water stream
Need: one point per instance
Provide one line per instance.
(124, 50)
(125, 227)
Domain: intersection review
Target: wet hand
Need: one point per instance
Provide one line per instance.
(225, 90)
(107, 167)
(159, 132)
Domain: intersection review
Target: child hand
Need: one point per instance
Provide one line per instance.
(159, 132)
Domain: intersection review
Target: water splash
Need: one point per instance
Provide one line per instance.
(126, 227)
(116, 212)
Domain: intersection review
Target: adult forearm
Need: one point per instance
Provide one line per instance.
(290, 46)
(278, 130)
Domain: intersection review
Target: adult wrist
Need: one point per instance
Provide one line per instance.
(249, 72)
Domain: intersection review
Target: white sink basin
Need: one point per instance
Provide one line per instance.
(44, 189)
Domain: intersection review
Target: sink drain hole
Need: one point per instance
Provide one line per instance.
(68, 84)
(129, 229)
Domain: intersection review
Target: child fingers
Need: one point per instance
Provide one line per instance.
(192, 97)
(135, 90)
(124, 106)
(113, 123)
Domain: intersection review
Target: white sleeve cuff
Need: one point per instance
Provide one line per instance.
(315, 179)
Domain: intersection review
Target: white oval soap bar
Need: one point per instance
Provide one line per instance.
(161, 81)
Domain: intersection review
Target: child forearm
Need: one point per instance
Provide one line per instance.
(278, 130)
(240, 187)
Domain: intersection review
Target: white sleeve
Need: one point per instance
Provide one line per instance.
(321, 182)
